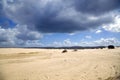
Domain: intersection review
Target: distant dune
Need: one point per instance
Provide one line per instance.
(52, 64)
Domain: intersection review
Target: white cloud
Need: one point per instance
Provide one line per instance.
(33, 43)
(18, 36)
(25, 34)
(113, 27)
(71, 34)
(7, 37)
(107, 41)
(66, 42)
(57, 44)
(101, 42)
(98, 31)
(88, 37)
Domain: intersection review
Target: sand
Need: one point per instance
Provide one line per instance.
(51, 64)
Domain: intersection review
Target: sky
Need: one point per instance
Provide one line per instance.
(56, 23)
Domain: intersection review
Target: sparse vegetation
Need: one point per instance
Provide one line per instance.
(64, 51)
(75, 50)
(111, 47)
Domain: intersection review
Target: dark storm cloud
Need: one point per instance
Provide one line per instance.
(68, 25)
(1, 8)
(96, 7)
(3, 39)
(63, 16)
(3, 20)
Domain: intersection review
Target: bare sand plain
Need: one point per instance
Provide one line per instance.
(51, 64)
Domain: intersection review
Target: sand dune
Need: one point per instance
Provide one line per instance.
(51, 64)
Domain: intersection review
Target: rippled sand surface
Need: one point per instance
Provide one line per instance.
(51, 64)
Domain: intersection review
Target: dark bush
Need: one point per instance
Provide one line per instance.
(64, 51)
(75, 49)
(111, 47)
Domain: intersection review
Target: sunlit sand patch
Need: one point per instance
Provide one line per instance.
(52, 64)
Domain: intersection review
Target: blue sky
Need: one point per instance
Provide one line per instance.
(42, 23)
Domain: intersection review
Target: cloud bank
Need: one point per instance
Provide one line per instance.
(113, 27)
(18, 37)
(60, 16)
(36, 17)
(99, 42)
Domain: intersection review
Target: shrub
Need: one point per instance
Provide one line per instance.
(111, 47)
(75, 49)
(64, 51)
